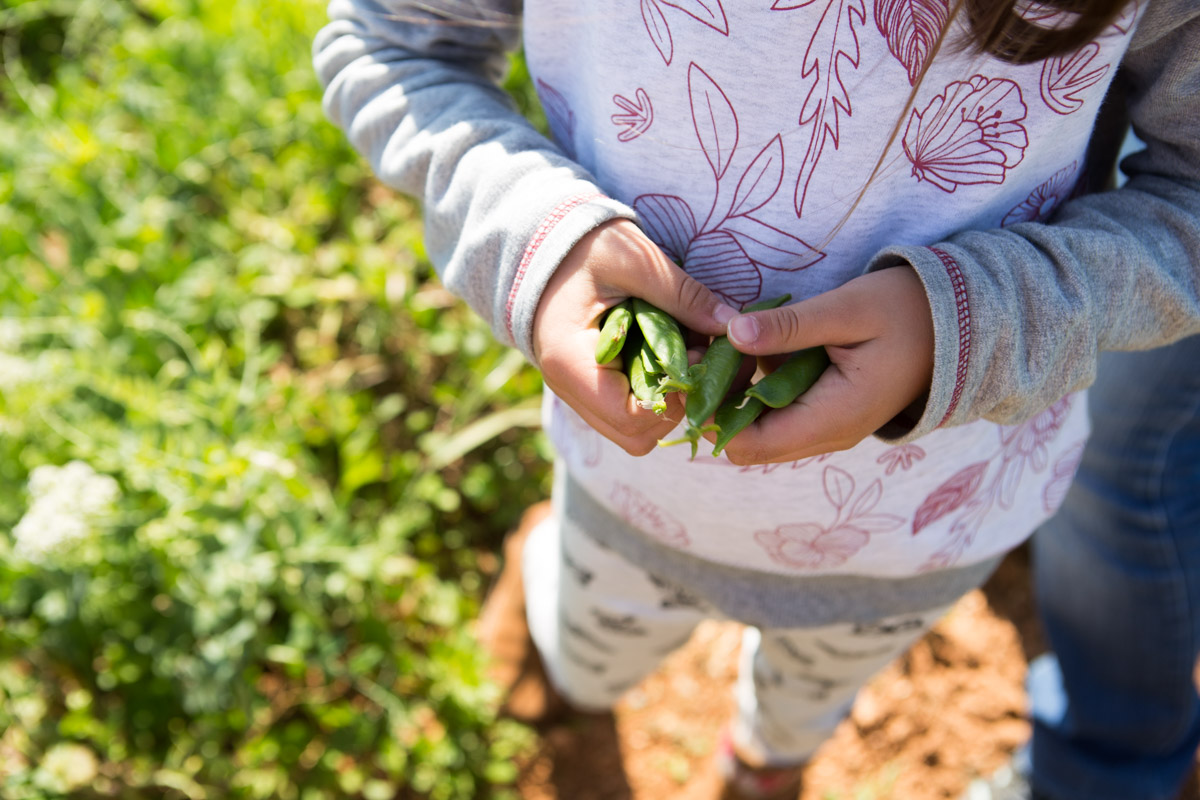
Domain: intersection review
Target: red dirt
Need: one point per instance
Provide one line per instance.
(950, 710)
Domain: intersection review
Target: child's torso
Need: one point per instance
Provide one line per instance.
(743, 133)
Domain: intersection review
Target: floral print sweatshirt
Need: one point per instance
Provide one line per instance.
(788, 146)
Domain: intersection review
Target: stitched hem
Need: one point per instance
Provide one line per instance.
(964, 327)
(539, 236)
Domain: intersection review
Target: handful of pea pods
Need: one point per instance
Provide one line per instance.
(654, 355)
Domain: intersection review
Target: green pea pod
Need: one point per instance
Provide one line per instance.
(644, 384)
(612, 335)
(721, 362)
(734, 415)
(767, 305)
(792, 379)
(664, 336)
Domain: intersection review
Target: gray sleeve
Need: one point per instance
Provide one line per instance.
(413, 85)
(1022, 314)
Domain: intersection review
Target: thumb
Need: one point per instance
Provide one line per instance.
(826, 319)
(683, 297)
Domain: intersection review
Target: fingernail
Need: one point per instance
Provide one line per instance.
(743, 330)
(723, 313)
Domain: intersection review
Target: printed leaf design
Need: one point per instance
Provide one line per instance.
(770, 247)
(638, 116)
(911, 29)
(833, 45)
(761, 179)
(949, 496)
(668, 221)
(719, 262)
(1126, 18)
(559, 115)
(1064, 77)
(838, 486)
(714, 119)
(867, 500)
(968, 134)
(660, 32)
(710, 12)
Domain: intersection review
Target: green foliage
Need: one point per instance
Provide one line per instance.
(204, 295)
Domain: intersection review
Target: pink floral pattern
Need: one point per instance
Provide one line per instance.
(900, 457)
(1043, 200)
(559, 115)
(1061, 478)
(911, 29)
(657, 23)
(729, 249)
(575, 440)
(975, 490)
(1064, 78)
(832, 47)
(810, 545)
(971, 133)
(636, 115)
(645, 515)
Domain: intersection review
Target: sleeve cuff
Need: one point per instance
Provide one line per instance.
(946, 288)
(554, 237)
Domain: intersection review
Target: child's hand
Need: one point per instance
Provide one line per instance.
(612, 262)
(878, 332)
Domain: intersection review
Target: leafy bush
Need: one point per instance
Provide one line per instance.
(252, 456)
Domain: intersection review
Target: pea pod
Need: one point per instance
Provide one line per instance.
(793, 378)
(645, 384)
(664, 336)
(734, 416)
(612, 335)
(721, 362)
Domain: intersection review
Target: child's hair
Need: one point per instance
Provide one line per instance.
(1015, 31)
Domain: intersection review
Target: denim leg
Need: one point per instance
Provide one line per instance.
(1117, 574)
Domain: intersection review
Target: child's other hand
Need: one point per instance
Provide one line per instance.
(878, 332)
(612, 262)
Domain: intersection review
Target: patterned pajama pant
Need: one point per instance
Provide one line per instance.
(602, 624)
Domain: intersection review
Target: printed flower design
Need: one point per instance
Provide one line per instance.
(900, 457)
(710, 12)
(1026, 444)
(729, 249)
(1061, 478)
(1042, 201)
(968, 134)
(636, 117)
(809, 545)
(647, 516)
(976, 489)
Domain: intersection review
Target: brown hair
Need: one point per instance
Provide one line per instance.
(1000, 28)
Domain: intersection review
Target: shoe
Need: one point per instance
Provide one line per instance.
(1006, 784)
(744, 782)
(504, 635)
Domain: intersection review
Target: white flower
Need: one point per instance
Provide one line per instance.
(10, 334)
(15, 370)
(67, 501)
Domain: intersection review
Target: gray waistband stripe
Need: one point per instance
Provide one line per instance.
(764, 599)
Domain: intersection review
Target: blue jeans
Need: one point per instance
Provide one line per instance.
(1117, 576)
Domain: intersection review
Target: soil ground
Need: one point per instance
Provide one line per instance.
(950, 710)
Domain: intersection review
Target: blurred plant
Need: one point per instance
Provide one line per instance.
(299, 448)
